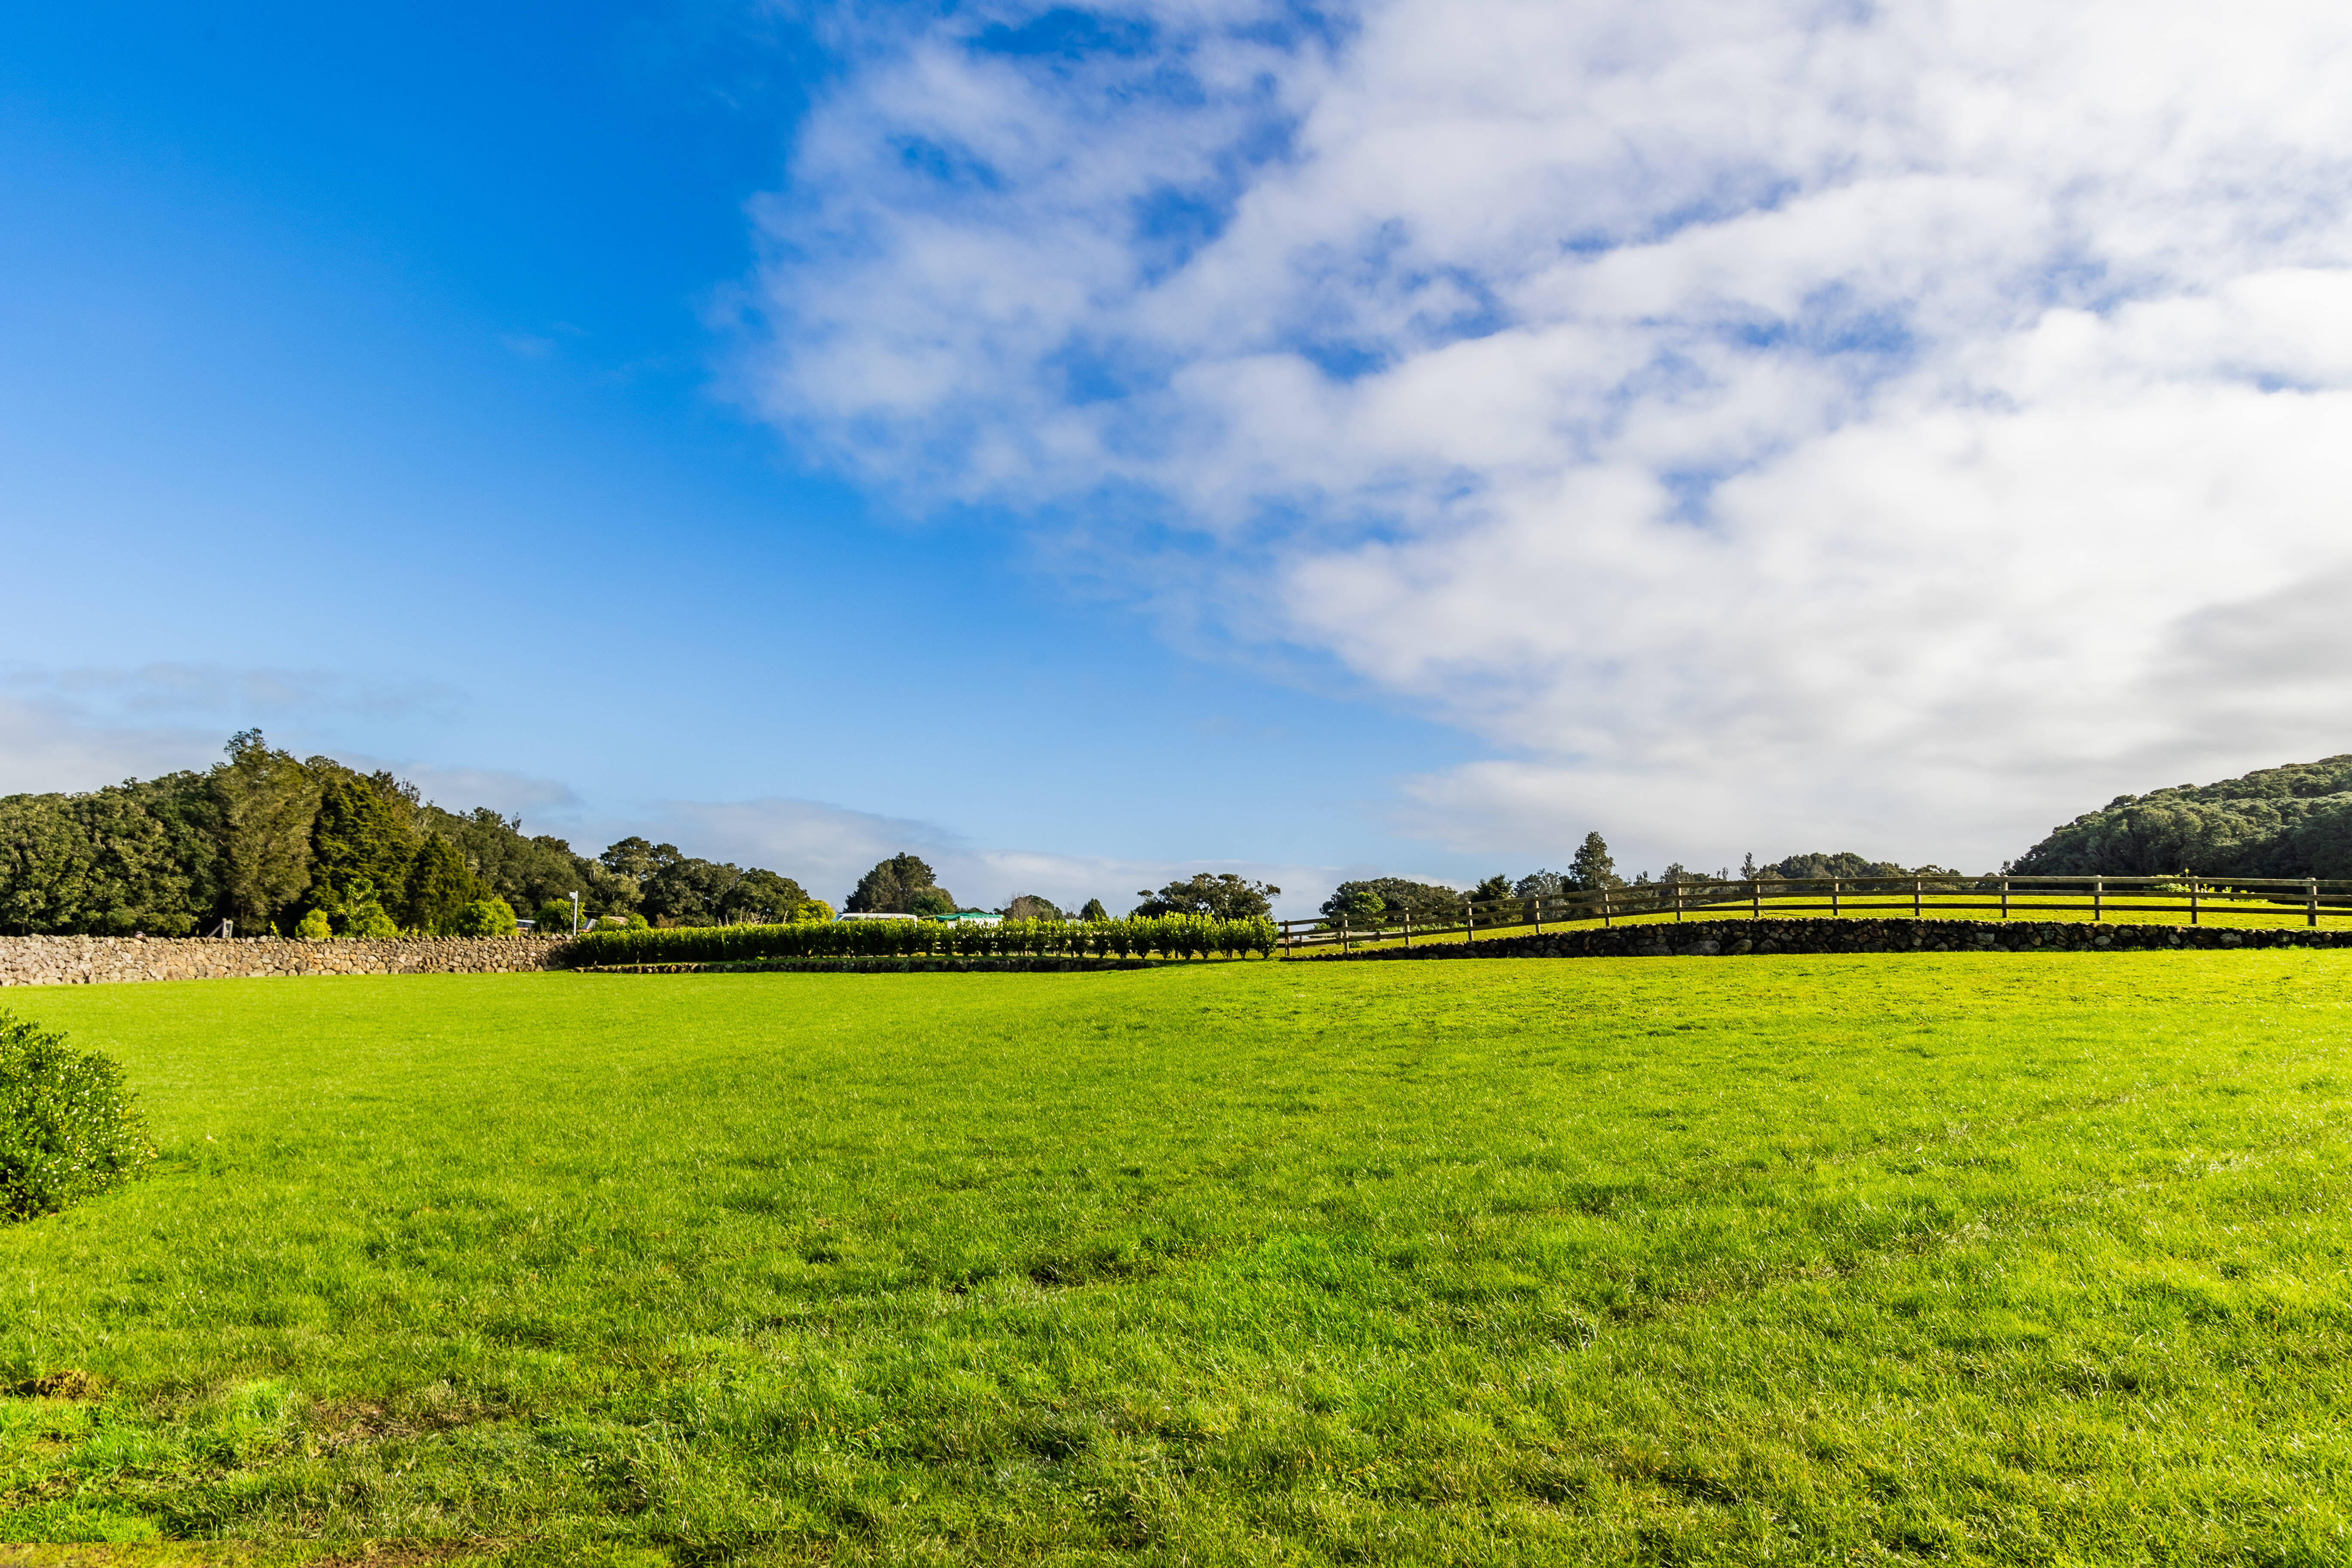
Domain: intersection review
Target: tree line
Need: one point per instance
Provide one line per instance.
(1392, 901)
(906, 885)
(308, 846)
(269, 841)
(311, 846)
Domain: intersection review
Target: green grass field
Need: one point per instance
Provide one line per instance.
(2116, 910)
(1973, 1258)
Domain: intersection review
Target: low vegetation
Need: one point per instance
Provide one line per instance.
(1170, 936)
(1958, 1259)
(68, 1128)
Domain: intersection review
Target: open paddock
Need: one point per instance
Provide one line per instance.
(1951, 1256)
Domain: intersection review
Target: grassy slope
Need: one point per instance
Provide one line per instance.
(2006, 1258)
(2070, 911)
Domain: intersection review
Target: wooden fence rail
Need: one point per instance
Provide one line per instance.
(2195, 896)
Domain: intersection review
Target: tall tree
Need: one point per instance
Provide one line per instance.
(1593, 869)
(762, 898)
(365, 831)
(268, 801)
(635, 859)
(893, 885)
(440, 885)
(1093, 912)
(1031, 906)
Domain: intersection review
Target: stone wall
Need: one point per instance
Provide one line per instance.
(1729, 938)
(90, 960)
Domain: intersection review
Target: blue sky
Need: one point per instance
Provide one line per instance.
(362, 374)
(1082, 444)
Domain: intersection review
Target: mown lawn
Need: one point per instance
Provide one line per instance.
(1974, 1258)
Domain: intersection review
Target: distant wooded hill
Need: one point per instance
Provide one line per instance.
(2291, 821)
(264, 838)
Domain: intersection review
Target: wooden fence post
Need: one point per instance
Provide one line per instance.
(2004, 898)
(1834, 885)
(2192, 899)
(1407, 927)
(2098, 898)
(2311, 900)
(1604, 904)
(1755, 900)
(1538, 908)
(1917, 883)
(1469, 921)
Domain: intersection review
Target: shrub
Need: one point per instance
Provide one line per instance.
(555, 917)
(370, 923)
(812, 911)
(67, 1130)
(356, 912)
(484, 917)
(314, 926)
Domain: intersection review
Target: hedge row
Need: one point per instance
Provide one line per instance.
(1173, 936)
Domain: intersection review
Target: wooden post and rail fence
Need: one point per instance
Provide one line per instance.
(1916, 897)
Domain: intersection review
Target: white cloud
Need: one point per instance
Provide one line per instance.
(1772, 426)
(45, 746)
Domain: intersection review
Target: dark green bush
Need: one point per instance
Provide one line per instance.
(67, 1128)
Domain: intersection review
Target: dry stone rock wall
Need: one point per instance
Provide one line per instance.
(98, 960)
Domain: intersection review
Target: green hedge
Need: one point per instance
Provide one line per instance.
(1173, 936)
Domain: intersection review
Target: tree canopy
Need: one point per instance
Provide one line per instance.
(893, 886)
(1592, 868)
(1031, 906)
(1397, 897)
(2290, 821)
(1221, 894)
(265, 840)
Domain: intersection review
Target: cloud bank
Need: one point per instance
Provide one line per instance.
(1770, 424)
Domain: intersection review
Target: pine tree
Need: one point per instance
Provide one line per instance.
(1592, 869)
(440, 886)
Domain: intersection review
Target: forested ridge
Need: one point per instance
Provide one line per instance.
(269, 841)
(2290, 821)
